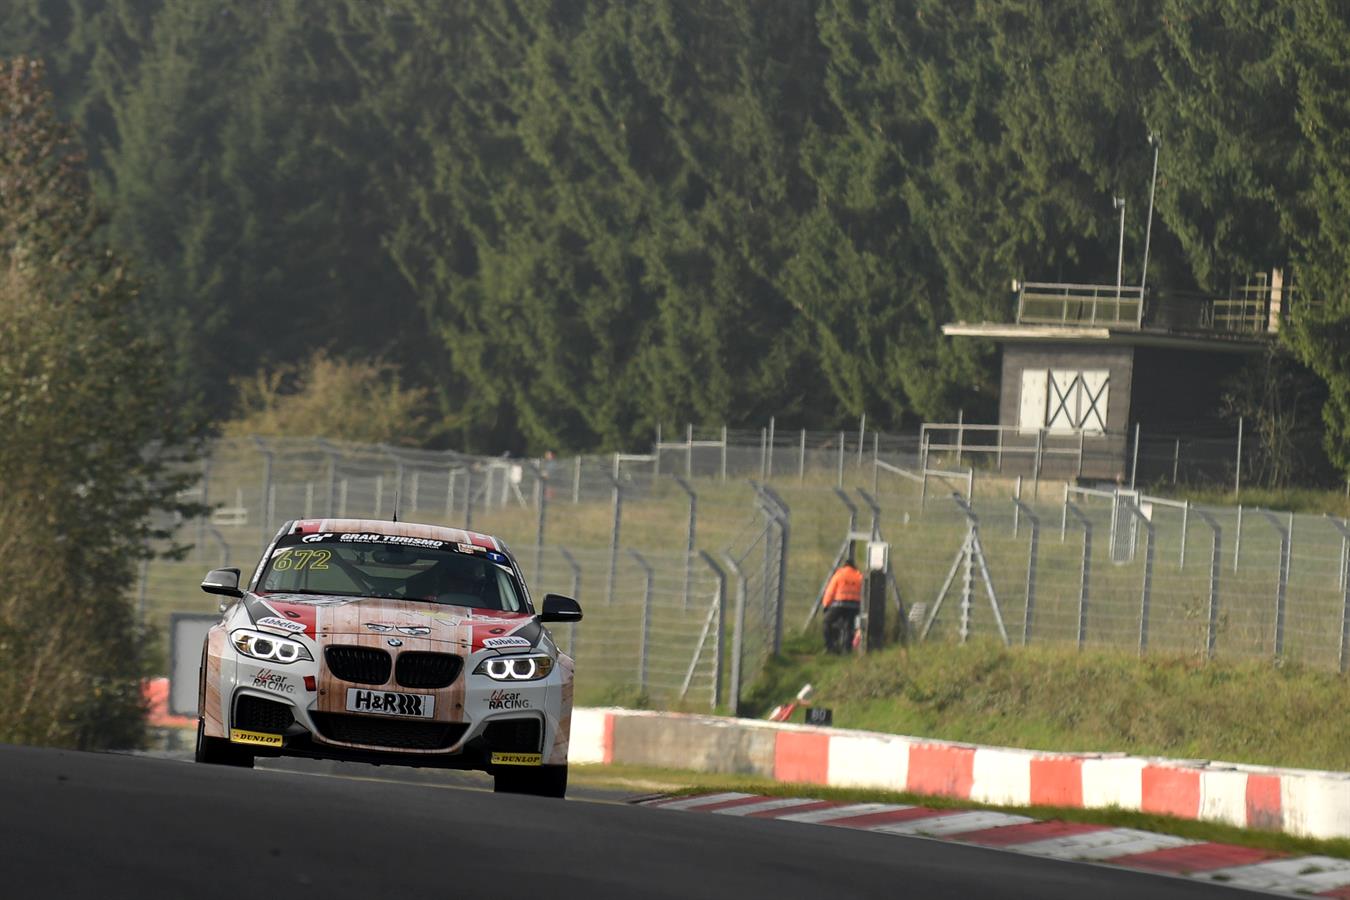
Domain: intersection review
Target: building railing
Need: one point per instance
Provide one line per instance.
(1255, 308)
(1048, 303)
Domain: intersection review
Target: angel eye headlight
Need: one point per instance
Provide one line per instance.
(516, 668)
(269, 647)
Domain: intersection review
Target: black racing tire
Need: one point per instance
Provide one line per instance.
(220, 752)
(541, 781)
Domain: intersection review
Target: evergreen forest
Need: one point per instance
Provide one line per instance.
(564, 221)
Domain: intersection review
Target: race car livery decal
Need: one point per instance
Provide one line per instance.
(303, 614)
(516, 635)
(276, 623)
(258, 609)
(240, 736)
(272, 681)
(403, 529)
(504, 643)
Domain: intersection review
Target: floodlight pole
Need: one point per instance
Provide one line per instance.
(1148, 230)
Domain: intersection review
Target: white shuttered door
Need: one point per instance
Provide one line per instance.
(1031, 414)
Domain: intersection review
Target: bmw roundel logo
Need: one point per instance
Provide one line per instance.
(395, 642)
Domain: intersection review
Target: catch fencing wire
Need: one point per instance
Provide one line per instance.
(1274, 587)
(256, 485)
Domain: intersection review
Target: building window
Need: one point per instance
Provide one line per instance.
(1064, 400)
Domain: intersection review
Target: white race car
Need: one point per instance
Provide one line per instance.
(388, 642)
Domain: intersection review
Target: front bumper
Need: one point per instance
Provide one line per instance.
(478, 723)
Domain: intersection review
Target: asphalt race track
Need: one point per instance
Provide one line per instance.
(111, 826)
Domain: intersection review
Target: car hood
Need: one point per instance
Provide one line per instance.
(321, 618)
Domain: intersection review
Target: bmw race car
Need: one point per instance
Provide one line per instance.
(388, 642)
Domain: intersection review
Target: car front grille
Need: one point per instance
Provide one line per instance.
(513, 735)
(375, 731)
(418, 669)
(257, 714)
(359, 665)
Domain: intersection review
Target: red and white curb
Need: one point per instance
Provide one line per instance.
(1225, 864)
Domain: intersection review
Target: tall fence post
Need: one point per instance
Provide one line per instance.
(862, 434)
(1185, 529)
(724, 453)
(1134, 464)
(1344, 647)
(801, 460)
(779, 516)
(690, 536)
(689, 450)
(1085, 575)
(614, 540)
(541, 501)
(874, 528)
(839, 481)
(960, 434)
(1341, 573)
(646, 638)
(1282, 584)
(1237, 467)
(737, 634)
(876, 462)
(1036, 468)
(328, 451)
(468, 498)
(768, 468)
(852, 509)
(1146, 590)
(1237, 540)
(204, 518)
(1215, 563)
(1033, 548)
(576, 481)
(265, 501)
(576, 593)
(720, 625)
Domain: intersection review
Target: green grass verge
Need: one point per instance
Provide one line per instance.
(1058, 699)
(650, 780)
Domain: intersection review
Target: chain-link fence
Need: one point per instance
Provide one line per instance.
(689, 559)
(1121, 569)
(681, 580)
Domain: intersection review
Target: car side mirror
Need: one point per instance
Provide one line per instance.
(558, 608)
(222, 581)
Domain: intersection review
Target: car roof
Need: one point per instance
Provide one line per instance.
(403, 529)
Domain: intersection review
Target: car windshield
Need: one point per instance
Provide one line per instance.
(358, 569)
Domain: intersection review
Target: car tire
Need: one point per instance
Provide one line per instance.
(220, 752)
(541, 781)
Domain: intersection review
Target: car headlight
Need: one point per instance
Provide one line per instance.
(516, 668)
(269, 647)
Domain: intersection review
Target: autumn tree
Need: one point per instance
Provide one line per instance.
(92, 447)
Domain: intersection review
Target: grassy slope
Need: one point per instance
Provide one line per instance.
(1054, 698)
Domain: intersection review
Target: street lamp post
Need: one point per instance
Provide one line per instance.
(1120, 256)
(1156, 143)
